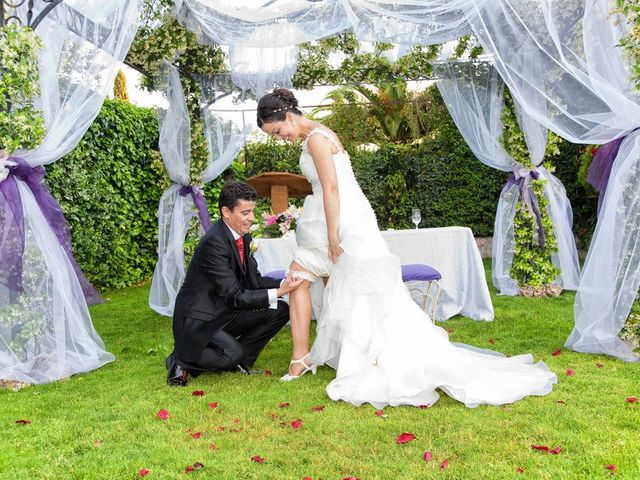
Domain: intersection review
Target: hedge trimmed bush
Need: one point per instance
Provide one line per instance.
(452, 189)
(109, 187)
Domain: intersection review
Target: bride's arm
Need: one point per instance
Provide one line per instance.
(320, 148)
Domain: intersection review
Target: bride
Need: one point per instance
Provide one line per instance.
(384, 348)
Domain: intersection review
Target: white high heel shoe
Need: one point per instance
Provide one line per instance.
(307, 368)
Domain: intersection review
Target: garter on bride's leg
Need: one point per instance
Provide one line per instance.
(300, 318)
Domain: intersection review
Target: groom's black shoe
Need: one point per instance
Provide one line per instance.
(177, 376)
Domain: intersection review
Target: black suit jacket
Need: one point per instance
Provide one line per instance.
(215, 288)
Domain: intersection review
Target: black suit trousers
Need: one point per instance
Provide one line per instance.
(241, 340)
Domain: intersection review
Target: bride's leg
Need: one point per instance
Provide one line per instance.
(300, 317)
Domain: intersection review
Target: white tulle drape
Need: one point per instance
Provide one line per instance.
(583, 93)
(46, 332)
(408, 22)
(261, 69)
(262, 40)
(473, 93)
(177, 207)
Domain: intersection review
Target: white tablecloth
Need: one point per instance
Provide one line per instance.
(451, 250)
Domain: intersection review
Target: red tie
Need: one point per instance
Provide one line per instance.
(240, 245)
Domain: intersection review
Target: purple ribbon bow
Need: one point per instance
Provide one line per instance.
(600, 168)
(528, 197)
(200, 203)
(12, 236)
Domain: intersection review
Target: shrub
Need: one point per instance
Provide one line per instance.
(109, 187)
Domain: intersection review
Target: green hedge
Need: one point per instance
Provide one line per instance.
(454, 189)
(583, 201)
(109, 187)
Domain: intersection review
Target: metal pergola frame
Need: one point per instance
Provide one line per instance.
(8, 7)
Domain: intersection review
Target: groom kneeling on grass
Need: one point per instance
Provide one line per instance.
(226, 312)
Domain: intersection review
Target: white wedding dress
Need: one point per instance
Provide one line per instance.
(384, 348)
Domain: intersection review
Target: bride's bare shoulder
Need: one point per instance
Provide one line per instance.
(321, 138)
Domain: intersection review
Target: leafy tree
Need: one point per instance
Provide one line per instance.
(368, 78)
(631, 42)
(162, 37)
(21, 125)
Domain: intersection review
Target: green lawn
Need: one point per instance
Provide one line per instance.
(103, 424)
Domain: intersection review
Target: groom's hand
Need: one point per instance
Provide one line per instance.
(289, 284)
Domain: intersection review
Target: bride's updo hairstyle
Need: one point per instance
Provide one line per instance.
(273, 107)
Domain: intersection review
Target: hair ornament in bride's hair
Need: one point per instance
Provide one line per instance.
(281, 109)
(275, 105)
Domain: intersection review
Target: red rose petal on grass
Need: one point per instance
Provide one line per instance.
(296, 424)
(350, 478)
(284, 405)
(307, 478)
(556, 450)
(491, 341)
(444, 464)
(162, 414)
(561, 402)
(319, 408)
(23, 422)
(611, 467)
(631, 400)
(405, 438)
(213, 405)
(213, 446)
(520, 469)
(257, 459)
(599, 365)
(197, 393)
(196, 435)
(426, 456)
(189, 469)
(556, 353)
(540, 448)
(570, 372)
(267, 373)
(142, 472)
(379, 413)
(424, 406)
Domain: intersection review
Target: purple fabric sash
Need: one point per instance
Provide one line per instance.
(528, 198)
(200, 203)
(12, 236)
(600, 168)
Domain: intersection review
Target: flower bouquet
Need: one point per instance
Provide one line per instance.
(279, 224)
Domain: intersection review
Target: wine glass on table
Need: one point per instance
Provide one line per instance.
(415, 216)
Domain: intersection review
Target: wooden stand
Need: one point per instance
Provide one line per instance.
(280, 186)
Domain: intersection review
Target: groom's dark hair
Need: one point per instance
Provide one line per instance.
(232, 192)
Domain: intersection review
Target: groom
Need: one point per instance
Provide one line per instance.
(225, 311)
